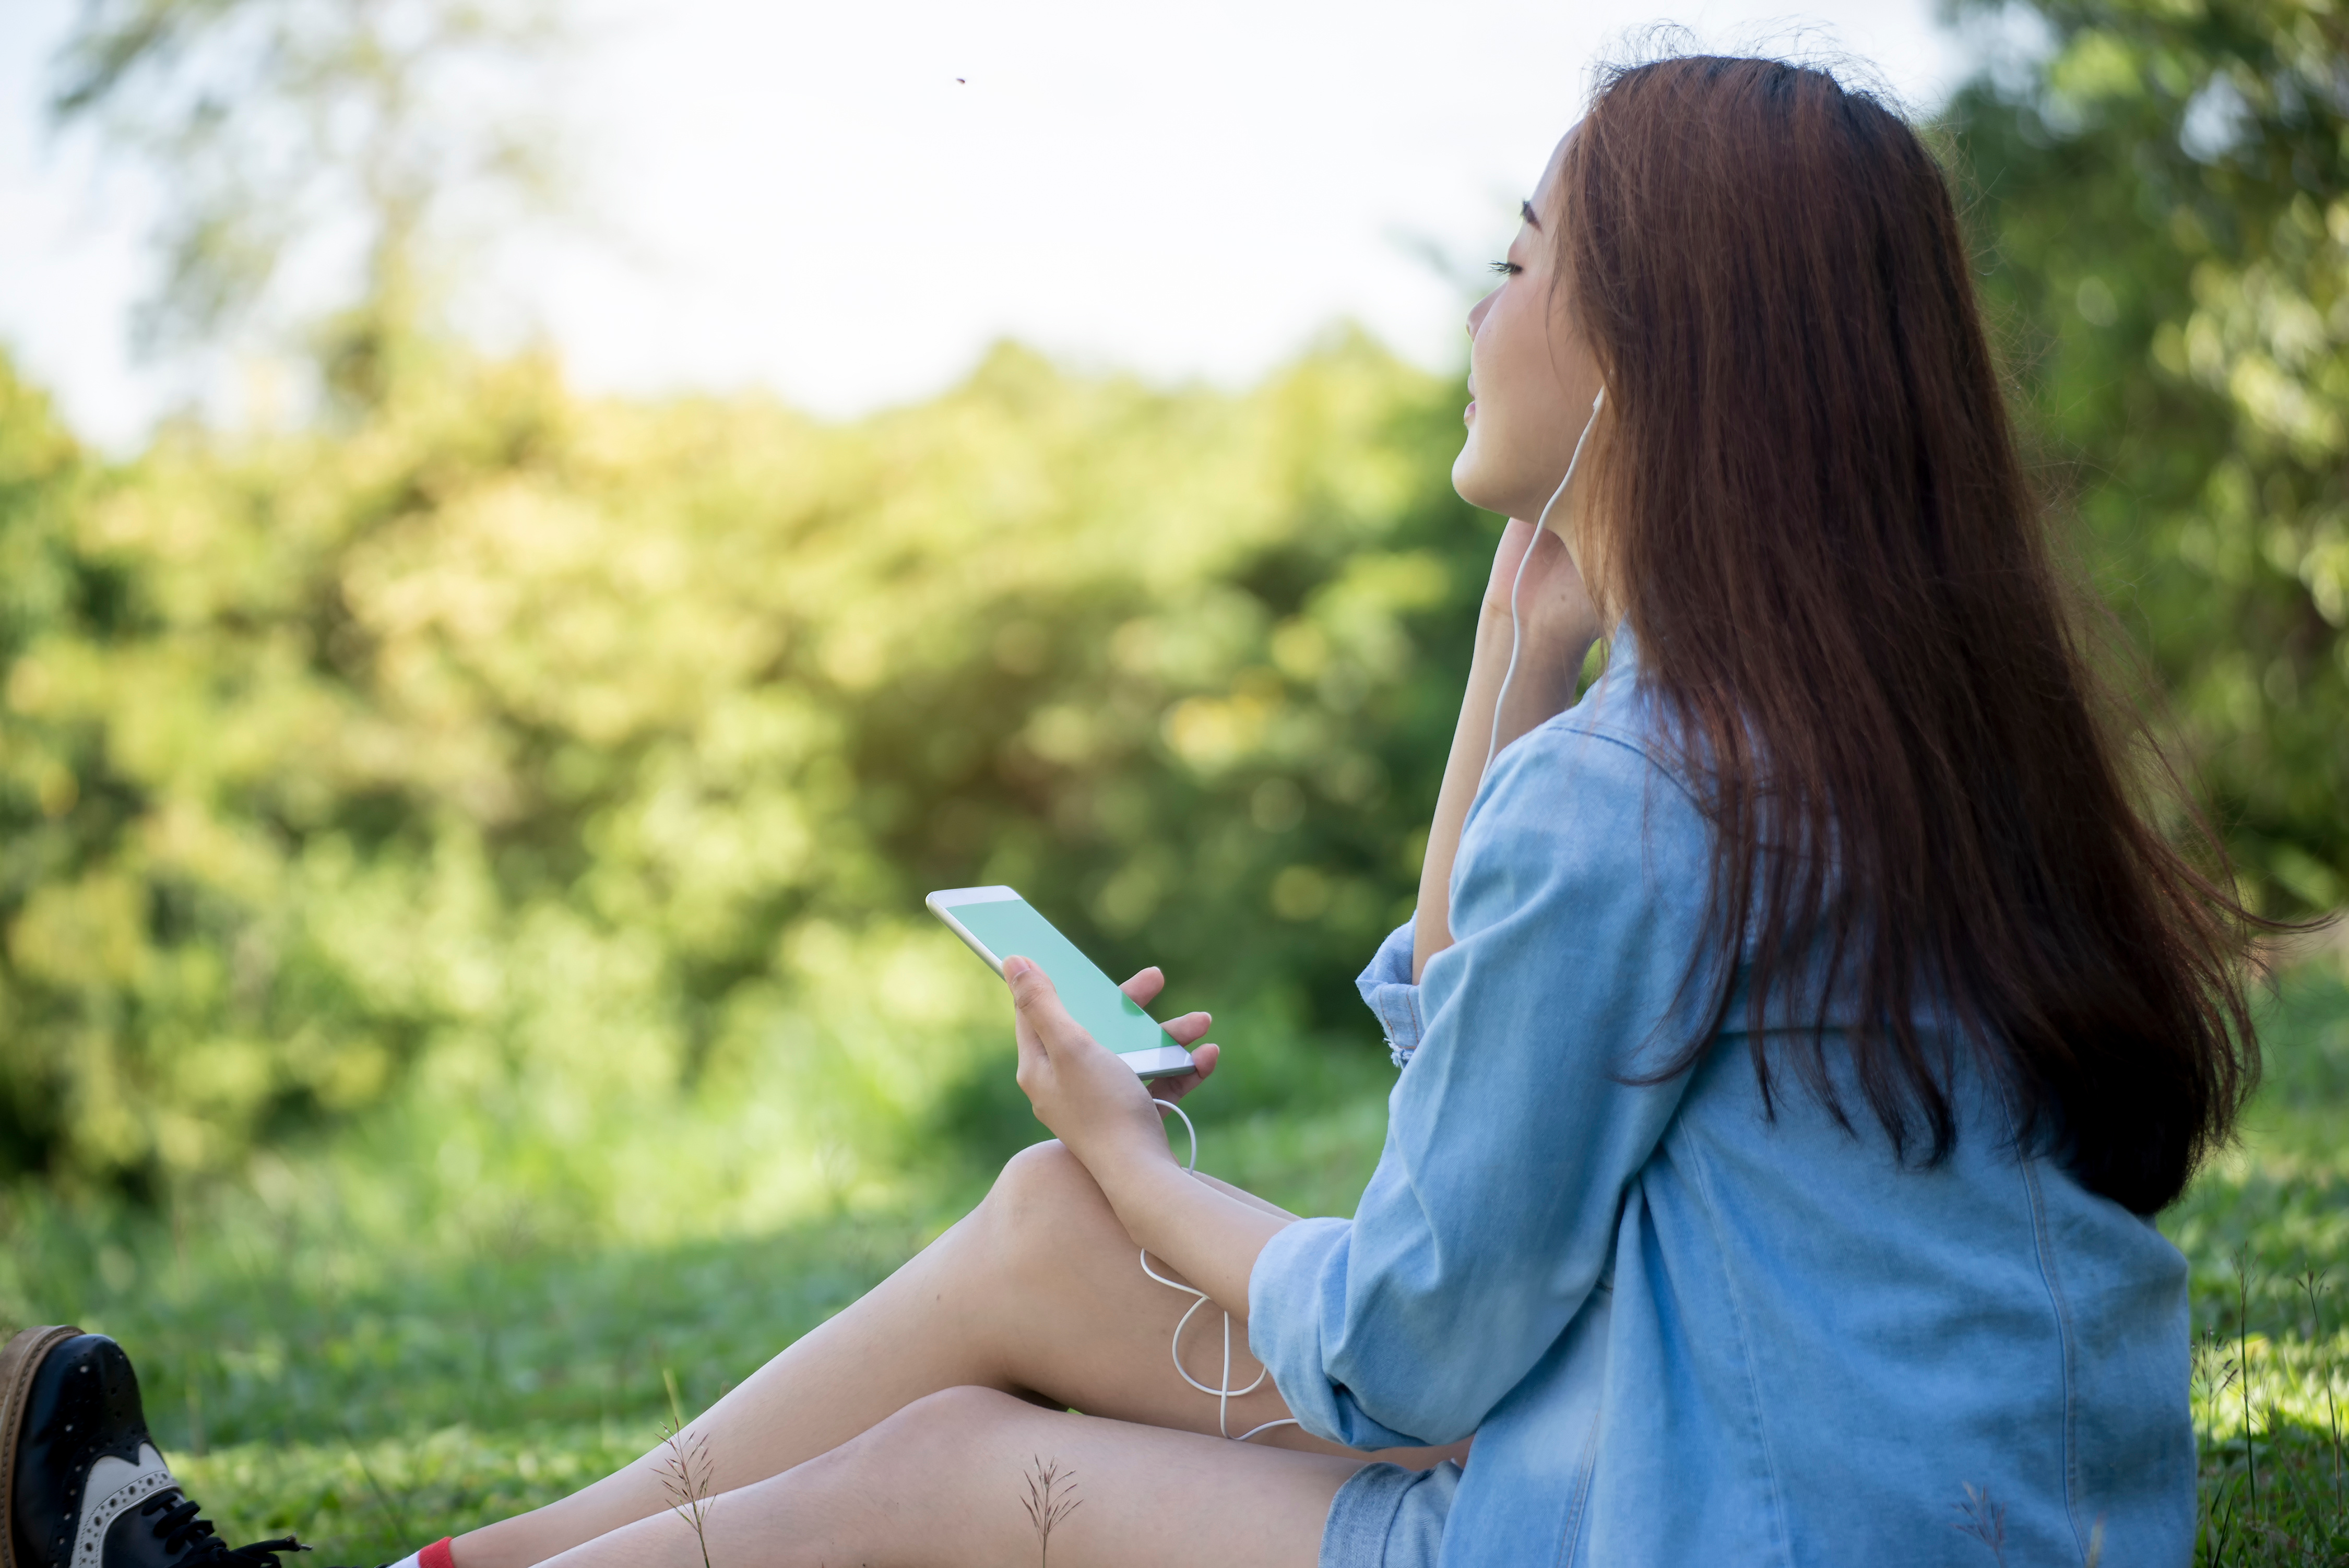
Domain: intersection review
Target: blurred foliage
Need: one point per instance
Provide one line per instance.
(365, 147)
(552, 761)
(555, 779)
(2166, 183)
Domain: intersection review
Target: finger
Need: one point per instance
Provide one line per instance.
(1024, 1036)
(1509, 555)
(1146, 985)
(1037, 1002)
(1509, 547)
(1188, 1028)
(1039, 1007)
(1030, 985)
(1203, 1060)
(1559, 571)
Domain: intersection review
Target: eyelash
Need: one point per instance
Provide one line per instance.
(1506, 269)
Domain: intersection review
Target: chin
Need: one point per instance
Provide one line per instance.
(1473, 486)
(1466, 478)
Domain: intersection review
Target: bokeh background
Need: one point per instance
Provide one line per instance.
(531, 534)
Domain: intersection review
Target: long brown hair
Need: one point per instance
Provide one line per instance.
(1813, 514)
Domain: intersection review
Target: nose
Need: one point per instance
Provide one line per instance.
(1476, 311)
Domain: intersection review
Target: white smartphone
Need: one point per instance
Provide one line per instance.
(995, 922)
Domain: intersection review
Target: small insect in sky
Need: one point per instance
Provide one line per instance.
(962, 80)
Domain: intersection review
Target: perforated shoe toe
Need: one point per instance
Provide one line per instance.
(82, 1484)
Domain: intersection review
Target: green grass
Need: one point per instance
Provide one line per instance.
(371, 1377)
(2265, 1223)
(371, 1372)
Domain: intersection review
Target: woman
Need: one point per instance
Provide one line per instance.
(1800, 1028)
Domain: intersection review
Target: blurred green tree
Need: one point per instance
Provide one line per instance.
(525, 764)
(2166, 183)
(365, 147)
(496, 747)
(59, 801)
(554, 752)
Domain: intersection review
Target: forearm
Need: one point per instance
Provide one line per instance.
(1471, 739)
(1209, 1237)
(1544, 687)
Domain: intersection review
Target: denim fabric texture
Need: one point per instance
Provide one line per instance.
(1682, 1330)
(1393, 999)
(1389, 1517)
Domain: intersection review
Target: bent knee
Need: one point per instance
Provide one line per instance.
(949, 1421)
(920, 1446)
(960, 1410)
(1045, 1191)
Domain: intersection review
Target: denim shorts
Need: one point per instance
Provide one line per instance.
(1389, 1517)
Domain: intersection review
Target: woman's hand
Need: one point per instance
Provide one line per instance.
(1091, 1099)
(1108, 1120)
(1554, 607)
(1553, 628)
(1549, 633)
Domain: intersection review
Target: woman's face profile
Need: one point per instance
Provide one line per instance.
(1531, 377)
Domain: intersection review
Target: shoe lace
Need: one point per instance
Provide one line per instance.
(183, 1529)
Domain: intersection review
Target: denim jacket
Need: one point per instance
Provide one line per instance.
(1684, 1332)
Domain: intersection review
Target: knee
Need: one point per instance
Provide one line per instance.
(930, 1432)
(950, 1415)
(863, 1484)
(1045, 1197)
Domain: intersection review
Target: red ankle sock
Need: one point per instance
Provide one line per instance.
(436, 1556)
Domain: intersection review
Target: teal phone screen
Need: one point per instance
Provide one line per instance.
(1010, 927)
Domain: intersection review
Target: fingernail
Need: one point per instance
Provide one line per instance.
(1016, 967)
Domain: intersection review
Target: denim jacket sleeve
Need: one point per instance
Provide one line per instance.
(1388, 991)
(1511, 1136)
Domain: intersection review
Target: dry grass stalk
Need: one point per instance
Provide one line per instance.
(686, 1475)
(1048, 1504)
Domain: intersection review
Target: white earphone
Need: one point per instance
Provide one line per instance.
(1516, 638)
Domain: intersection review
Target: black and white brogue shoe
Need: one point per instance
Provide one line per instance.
(82, 1485)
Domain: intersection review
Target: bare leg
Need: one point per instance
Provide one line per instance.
(941, 1482)
(1036, 1294)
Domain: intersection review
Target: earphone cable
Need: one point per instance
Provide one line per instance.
(1516, 638)
(1222, 1392)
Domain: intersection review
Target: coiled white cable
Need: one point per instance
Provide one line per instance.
(1222, 1392)
(1492, 747)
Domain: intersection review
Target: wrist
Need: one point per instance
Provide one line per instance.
(1141, 1185)
(1131, 1161)
(1546, 677)
(1548, 659)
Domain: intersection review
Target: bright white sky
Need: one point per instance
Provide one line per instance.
(801, 197)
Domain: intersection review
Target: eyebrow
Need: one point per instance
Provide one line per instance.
(1527, 210)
